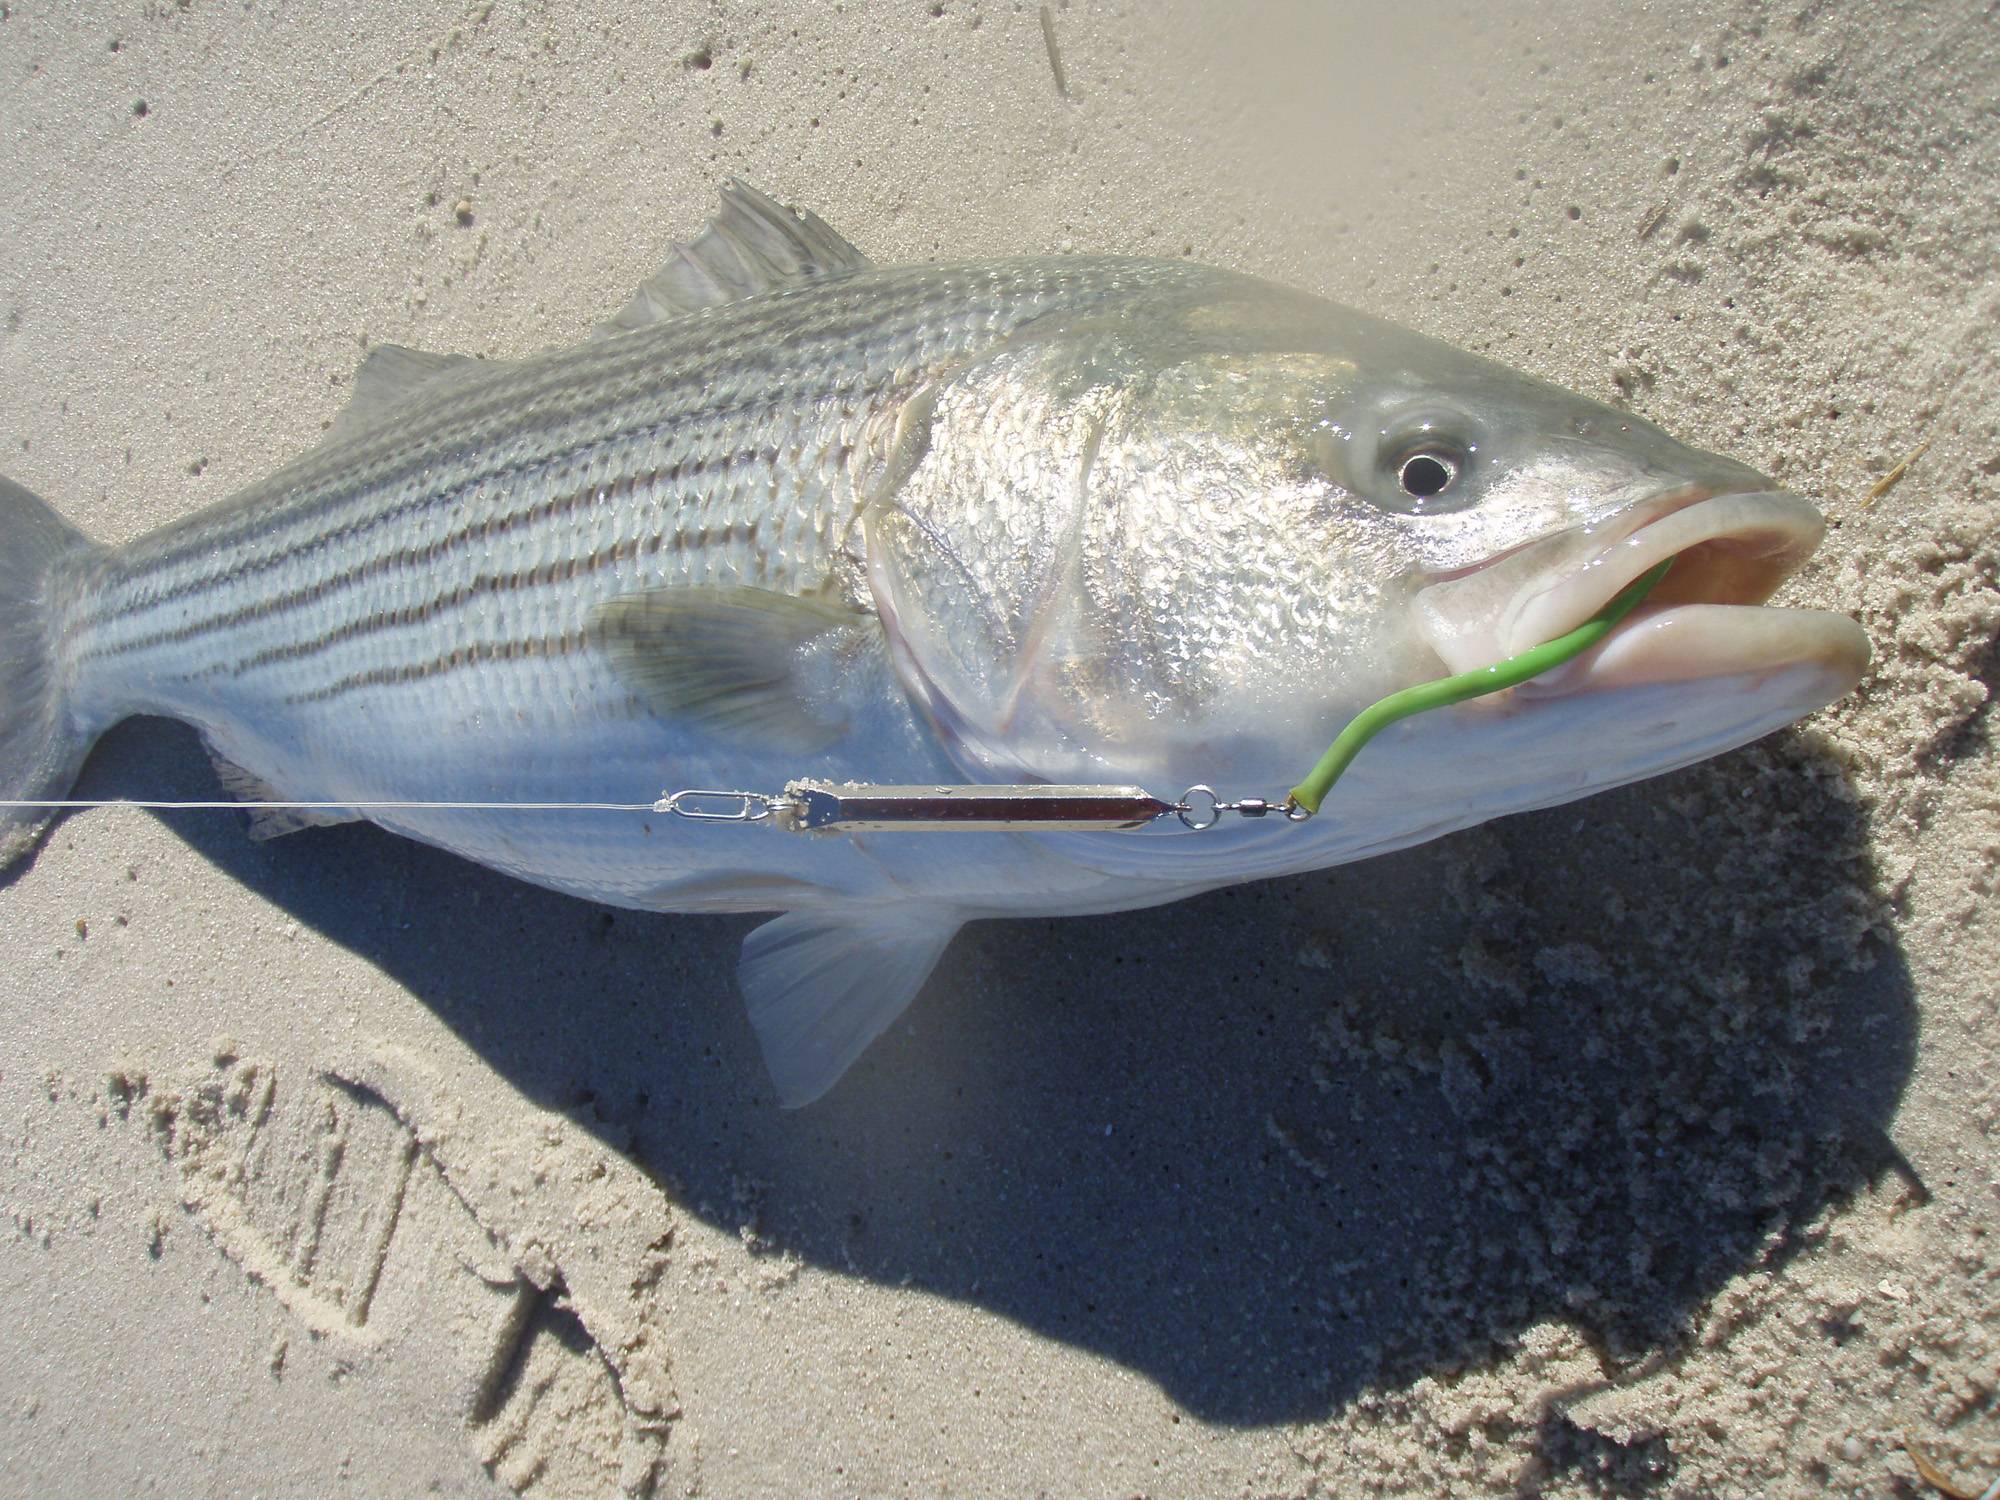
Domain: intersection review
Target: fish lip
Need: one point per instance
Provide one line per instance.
(1707, 643)
(1730, 547)
(1615, 528)
(1753, 539)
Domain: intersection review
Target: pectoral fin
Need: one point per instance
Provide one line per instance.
(822, 985)
(723, 658)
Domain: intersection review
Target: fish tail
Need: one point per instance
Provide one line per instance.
(41, 745)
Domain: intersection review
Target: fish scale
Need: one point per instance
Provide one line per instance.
(541, 473)
(798, 519)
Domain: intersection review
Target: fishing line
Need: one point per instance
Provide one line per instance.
(817, 806)
(261, 806)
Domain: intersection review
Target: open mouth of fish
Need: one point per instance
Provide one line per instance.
(1705, 619)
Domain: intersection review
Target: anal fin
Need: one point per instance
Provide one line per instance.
(823, 984)
(269, 822)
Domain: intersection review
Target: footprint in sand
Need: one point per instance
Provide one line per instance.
(322, 1190)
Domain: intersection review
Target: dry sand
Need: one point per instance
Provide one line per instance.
(1640, 1147)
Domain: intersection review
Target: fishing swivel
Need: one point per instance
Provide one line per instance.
(1200, 807)
(720, 807)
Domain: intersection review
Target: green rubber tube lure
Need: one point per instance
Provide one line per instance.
(1512, 672)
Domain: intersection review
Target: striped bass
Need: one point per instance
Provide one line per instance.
(1074, 520)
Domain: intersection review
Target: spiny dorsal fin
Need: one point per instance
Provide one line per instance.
(723, 658)
(387, 378)
(753, 244)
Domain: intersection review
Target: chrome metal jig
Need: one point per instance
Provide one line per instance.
(844, 807)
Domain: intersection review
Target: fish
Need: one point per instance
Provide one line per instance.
(1075, 520)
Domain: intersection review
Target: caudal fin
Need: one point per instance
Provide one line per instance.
(41, 749)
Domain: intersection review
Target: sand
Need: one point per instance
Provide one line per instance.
(1639, 1147)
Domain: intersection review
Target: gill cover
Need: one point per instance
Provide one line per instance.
(976, 558)
(1101, 556)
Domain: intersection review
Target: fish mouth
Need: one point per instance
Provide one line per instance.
(1706, 618)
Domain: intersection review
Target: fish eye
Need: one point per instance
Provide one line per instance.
(1426, 474)
(1424, 459)
(1413, 461)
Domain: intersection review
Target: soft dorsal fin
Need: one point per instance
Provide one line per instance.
(823, 984)
(721, 657)
(387, 378)
(753, 244)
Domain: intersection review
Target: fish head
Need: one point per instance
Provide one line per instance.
(1188, 541)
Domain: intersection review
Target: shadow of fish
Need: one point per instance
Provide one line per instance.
(1096, 520)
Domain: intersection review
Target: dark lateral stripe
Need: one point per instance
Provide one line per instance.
(476, 654)
(312, 593)
(230, 575)
(832, 339)
(560, 571)
(813, 361)
(854, 344)
(794, 369)
(433, 552)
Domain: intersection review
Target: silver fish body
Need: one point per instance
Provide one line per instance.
(1077, 520)
(407, 612)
